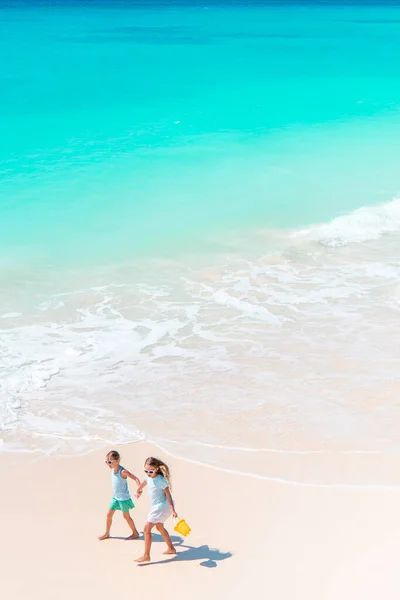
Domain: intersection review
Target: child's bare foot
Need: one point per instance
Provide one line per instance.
(134, 536)
(144, 558)
(104, 537)
(170, 551)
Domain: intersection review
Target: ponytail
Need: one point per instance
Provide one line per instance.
(160, 466)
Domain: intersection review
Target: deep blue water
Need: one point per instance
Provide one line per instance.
(134, 127)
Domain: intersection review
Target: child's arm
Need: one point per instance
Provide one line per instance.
(126, 474)
(170, 500)
(140, 489)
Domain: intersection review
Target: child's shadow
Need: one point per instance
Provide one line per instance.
(208, 556)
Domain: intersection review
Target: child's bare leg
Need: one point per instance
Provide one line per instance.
(147, 543)
(170, 547)
(110, 515)
(129, 520)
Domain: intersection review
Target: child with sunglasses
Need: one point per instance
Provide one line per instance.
(121, 497)
(162, 507)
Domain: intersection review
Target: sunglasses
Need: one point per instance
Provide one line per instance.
(109, 462)
(150, 472)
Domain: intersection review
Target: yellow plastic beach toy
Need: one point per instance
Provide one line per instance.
(182, 527)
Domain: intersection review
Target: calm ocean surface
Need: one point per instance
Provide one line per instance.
(199, 225)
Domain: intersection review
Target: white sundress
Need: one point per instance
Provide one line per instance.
(160, 509)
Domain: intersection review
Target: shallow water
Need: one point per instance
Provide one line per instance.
(199, 230)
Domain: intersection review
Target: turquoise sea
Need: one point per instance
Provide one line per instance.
(199, 223)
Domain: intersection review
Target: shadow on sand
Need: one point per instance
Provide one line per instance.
(209, 557)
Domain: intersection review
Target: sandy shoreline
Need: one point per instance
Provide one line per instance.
(249, 536)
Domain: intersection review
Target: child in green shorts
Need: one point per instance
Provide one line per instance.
(121, 497)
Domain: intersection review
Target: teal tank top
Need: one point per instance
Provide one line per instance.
(119, 486)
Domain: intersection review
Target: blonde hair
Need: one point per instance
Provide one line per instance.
(160, 466)
(114, 455)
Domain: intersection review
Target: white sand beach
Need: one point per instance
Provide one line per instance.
(250, 537)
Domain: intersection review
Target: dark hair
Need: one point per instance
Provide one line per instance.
(113, 454)
(160, 466)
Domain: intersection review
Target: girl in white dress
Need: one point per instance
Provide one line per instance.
(157, 479)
